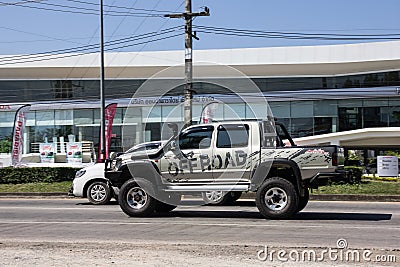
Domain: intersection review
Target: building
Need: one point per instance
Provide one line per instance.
(314, 90)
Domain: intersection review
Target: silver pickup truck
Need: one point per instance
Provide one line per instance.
(228, 157)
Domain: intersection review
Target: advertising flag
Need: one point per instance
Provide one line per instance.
(18, 135)
(208, 112)
(109, 119)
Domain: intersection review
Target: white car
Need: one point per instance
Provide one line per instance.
(90, 182)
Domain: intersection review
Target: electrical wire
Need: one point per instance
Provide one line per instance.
(59, 56)
(292, 35)
(87, 48)
(122, 7)
(78, 10)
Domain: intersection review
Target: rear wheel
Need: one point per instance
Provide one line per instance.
(99, 193)
(136, 200)
(277, 198)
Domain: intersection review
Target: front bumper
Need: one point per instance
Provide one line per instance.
(113, 177)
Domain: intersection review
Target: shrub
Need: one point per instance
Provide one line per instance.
(10, 175)
(355, 173)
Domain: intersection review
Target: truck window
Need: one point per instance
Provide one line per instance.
(191, 139)
(233, 135)
(269, 138)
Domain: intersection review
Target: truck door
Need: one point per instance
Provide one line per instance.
(231, 152)
(191, 158)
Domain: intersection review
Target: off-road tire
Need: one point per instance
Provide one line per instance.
(277, 198)
(136, 200)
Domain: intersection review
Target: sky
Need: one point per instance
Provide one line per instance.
(28, 28)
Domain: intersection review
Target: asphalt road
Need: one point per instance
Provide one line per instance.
(321, 224)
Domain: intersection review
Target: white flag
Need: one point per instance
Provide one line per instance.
(18, 134)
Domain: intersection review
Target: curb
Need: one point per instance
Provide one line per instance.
(342, 197)
(372, 198)
(35, 195)
(247, 196)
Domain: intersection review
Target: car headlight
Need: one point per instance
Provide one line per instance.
(80, 173)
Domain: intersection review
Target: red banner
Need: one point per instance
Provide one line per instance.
(18, 135)
(109, 113)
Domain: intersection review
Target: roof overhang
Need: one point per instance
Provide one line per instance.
(329, 60)
(361, 138)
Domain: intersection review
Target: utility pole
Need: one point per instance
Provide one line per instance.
(188, 93)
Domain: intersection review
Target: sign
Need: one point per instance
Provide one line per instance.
(47, 152)
(388, 166)
(74, 152)
(109, 114)
(18, 135)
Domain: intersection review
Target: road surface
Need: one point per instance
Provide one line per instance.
(79, 232)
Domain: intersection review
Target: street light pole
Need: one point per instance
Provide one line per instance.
(102, 97)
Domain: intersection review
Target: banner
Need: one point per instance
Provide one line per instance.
(109, 114)
(74, 152)
(18, 135)
(208, 113)
(47, 152)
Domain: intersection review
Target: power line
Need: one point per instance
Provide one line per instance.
(121, 7)
(293, 35)
(109, 12)
(59, 56)
(89, 48)
(77, 10)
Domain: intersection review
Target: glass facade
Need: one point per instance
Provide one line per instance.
(44, 90)
(302, 117)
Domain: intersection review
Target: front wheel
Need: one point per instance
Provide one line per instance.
(277, 198)
(135, 200)
(99, 193)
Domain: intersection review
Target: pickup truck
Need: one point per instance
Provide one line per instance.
(230, 157)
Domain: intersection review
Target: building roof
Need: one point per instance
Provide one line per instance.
(326, 60)
(367, 137)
